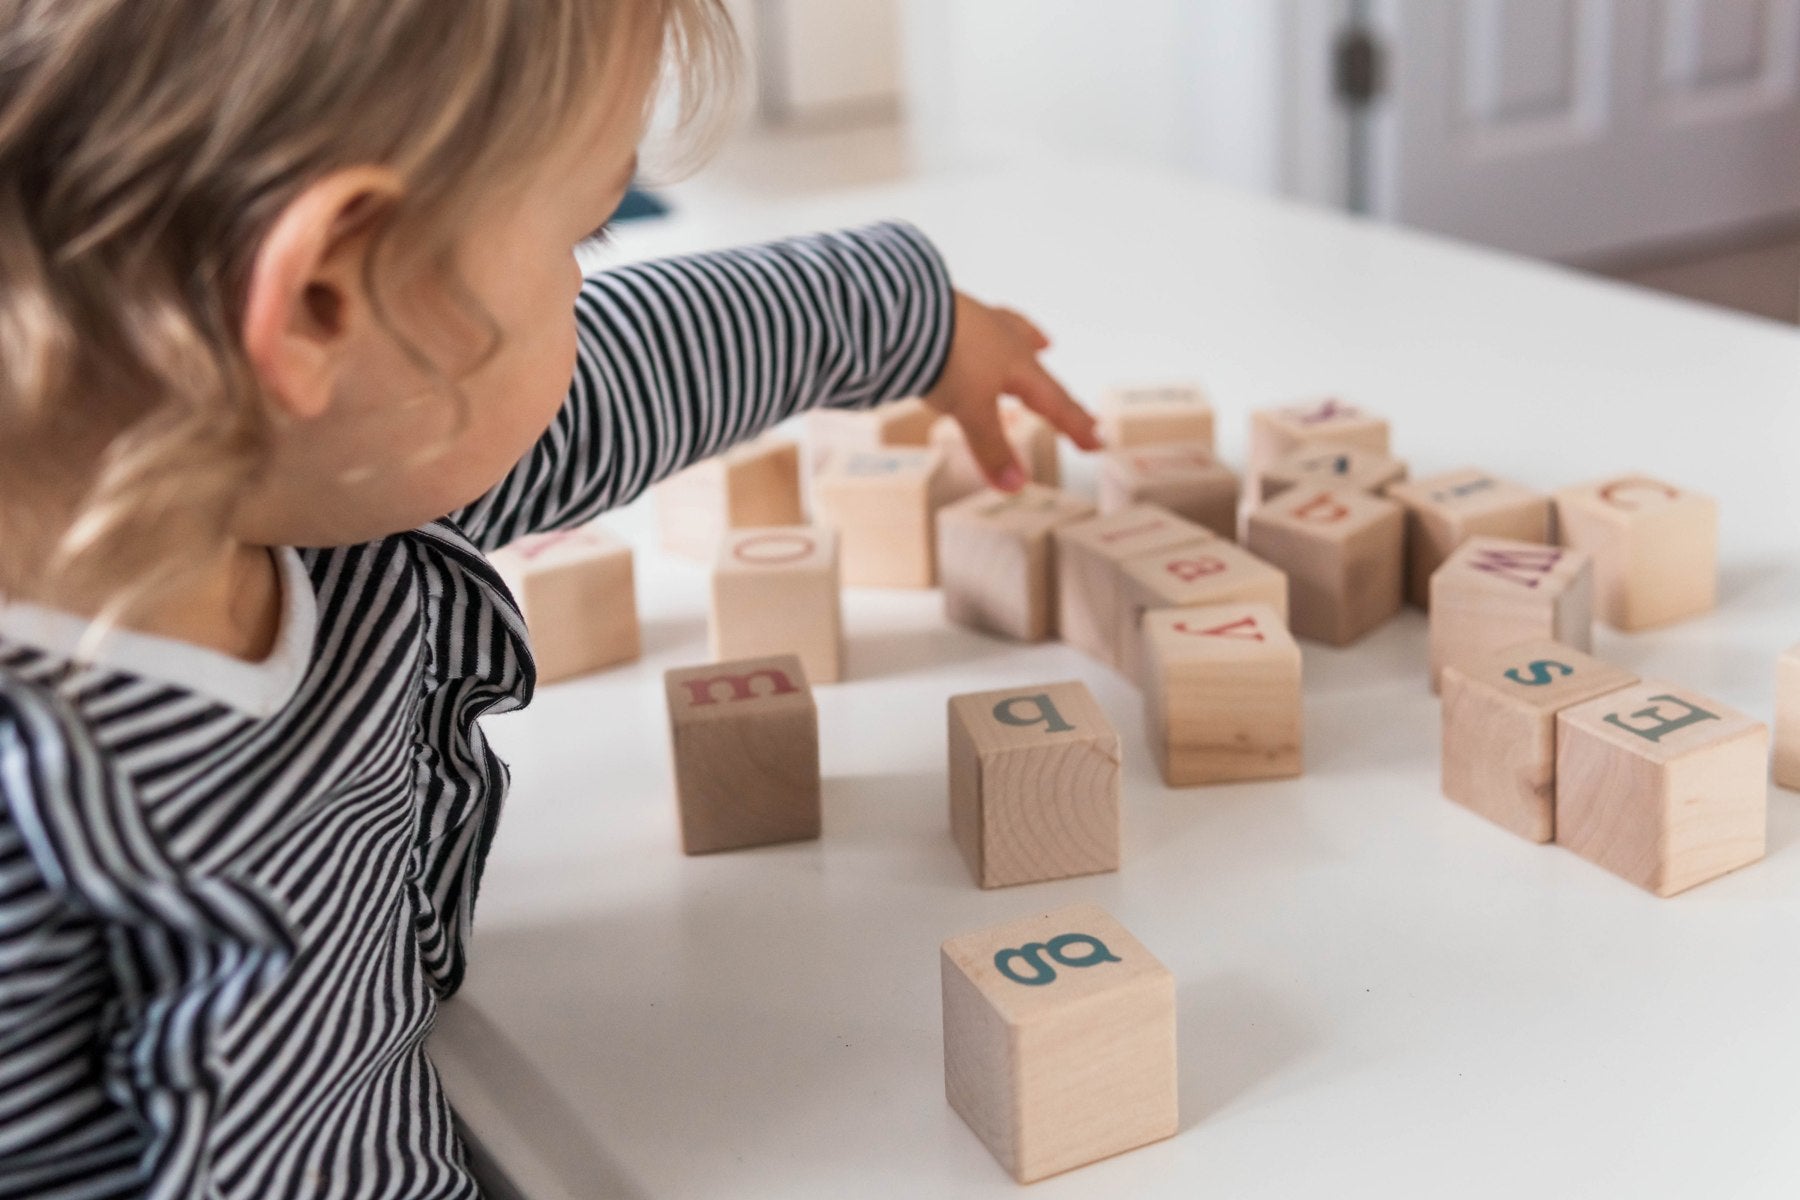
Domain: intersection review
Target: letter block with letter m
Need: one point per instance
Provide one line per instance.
(1222, 696)
(1655, 548)
(1059, 1040)
(1662, 786)
(1496, 592)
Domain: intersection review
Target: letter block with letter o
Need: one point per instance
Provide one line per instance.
(1156, 415)
(1191, 577)
(576, 590)
(757, 483)
(1034, 784)
(746, 740)
(1059, 1040)
(1655, 548)
(1662, 786)
(1089, 587)
(1787, 720)
(775, 591)
(1444, 511)
(997, 559)
(1222, 696)
(1344, 553)
(1277, 432)
(1500, 729)
(1494, 592)
(884, 505)
(1182, 477)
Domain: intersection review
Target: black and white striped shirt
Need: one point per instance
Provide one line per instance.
(227, 914)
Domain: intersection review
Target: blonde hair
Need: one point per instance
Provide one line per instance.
(145, 148)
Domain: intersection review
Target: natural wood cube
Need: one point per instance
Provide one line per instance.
(901, 423)
(746, 739)
(576, 591)
(997, 559)
(1276, 433)
(1034, 784)
(1495, 592)
(884, 505)
(1787, 720)
(1182, 477)
(775, 591)
(1222, 695)
(1089, 586)
(1217, 572)
(1345, 557)
(757, 483)
(1655, 548)
(1059, 1040)
(1156, 415)
(1444, 511)
(1032, 438)
(1330, 465)
(1661, 786)
(1500, 729)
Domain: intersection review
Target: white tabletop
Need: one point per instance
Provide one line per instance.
(1379, 993)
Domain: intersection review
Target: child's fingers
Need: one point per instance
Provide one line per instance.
(1049, 399)
(987, 443)
(1037, 337)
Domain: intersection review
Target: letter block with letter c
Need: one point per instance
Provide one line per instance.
(1655, 548)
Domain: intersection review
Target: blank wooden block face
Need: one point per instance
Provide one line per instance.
(1276, 433)
(1182, 477)
(1445, 511)
(1345, 556)
(903, 423)
(775, 591)
(1655, 548)
(1031, 437)
(1222, 699)
(1661, 786)
(883, 503)
(1331, 465)
(1500, 729)
(1494, 592)
(1089, 586)
(1034, 784)
(1159, 414)
(1787, 720)
(996, 559)
(746, 742)
(575, 588)
(1059, 1040)
(1191, 577)
(755, 484)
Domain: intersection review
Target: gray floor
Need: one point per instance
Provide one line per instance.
(1758, 276)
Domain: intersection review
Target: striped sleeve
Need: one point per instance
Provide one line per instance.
(682, 358)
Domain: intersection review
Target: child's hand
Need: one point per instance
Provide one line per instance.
(994, 353)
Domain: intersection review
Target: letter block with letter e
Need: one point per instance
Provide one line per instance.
(1344, 553)
(1276, 433)
(1059, 1040)
(746, 742)
(1034, 784)
(1330, 465)
(1500, 729)
(1444, 511)
(1494, 592)
(1155, 415)
(757, 483)
(1182, 477)
(1655, 548)
(997, 559)
(1191, 577)
(1787, 720)
(884, 505)
(1088, 581)
(1032, 439)
(575, 588)
(1222, 700)
(1662, 786)
(775, 591)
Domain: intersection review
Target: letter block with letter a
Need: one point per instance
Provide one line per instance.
(1190, 577)
(1493, 592)
(1344, 553)
(1330, 465)
(1662, 786)
(1655, 548)
(746, 741)
(1222, 696)
(1444, 511)
(884, 505)
(1089, 586)
(776, 591)
(1156, 415)
(1059, 1040)
(1182, 477)
(1787, 720)
(757, 483)
(997, 559)
(576, 590)
(1500, 729)
(1276, 433)
(1034, 784)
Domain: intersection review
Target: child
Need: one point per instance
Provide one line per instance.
(285, 347)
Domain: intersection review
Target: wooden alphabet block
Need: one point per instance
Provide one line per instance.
(1089, 587)
(1161, 414)
(997, 559)
(1445, 511)
(1182, 477)
(775, 591)
(755, 484)
(1787, 720)
(1276, 433)
(884, 505)
(1059, 1040)
(1222, 696)
(1495, 592)
(1217, 572)
(1034, 784)
(1661, 786)
(1344, 553)
(575, 588)
(1655, 548)
(902, 423)
(1331, 465)
(1032, 438)
(1500, 729)
(746, 741)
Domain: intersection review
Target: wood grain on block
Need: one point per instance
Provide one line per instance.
(746, 745)
(1182, 477)
(1217, 572)
(884, 504)
(576, 590)
(755, 484)
(1034, 784)
(1032, 438)
(1500, 729)
(1059, 1040)
(1089, 586)
(1655, 548)
(1661, 786)
(1276, 433)
(1494, 592)
(1787, 720)
(1330, 465)
(1222, 699)
(1444, 511)
(1156, 414)
(776, 591)
(1344, 553)
(902, 423)
(997, 559)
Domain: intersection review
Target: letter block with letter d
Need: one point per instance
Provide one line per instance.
(1344, 552)
(1222, 696)
(1034, 784)
(1059, 1040)
(1662, 786)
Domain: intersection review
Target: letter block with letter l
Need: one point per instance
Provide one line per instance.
(1444, 511)
(757, 483)
(1787, 720)
(576, 590)
(1500, 729)
(1222, 698)
(746, 740)
(1182, 477)
(1088, 583)
(1655, 548)
(1330, 465)
(775, 591)
(1059, 1040)
(1494, 592)
(884, 505)
(1156, 415)
(1662, 786)
(997, 559)
(1034, 784)
(1276, 433)
(1344, 553)
(1191, 577)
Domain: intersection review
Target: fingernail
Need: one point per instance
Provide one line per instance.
(1011, 479)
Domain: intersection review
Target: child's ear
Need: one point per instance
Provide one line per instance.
(305, 303)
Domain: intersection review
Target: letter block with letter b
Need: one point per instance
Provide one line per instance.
(757, 483)
(1156, 415)
(1444, 511)
(1222, 698)
(997, 559)
(1655, 548)
(775, 591)
(746, 741)
(1182, 477)
(1277, 432)
(1344, 553)
(575, 588)
(1494, 592)
(1059, 1040)
(1089, 587)
(1662, 786)
(1034, 784)
(1787, 720)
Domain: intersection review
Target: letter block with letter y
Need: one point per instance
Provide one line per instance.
(1495, 592)
(1222, 694)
